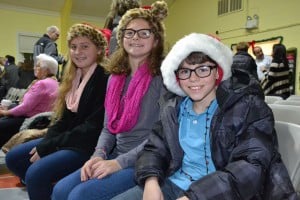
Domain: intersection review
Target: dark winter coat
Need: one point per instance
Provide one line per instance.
(243, 146)
(47, 46)
(244, 61)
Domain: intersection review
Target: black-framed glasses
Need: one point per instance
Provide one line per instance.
(201, 71)
(142, 33)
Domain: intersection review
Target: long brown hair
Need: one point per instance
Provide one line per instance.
(93, 34)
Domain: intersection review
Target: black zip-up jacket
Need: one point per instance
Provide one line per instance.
(79, 131)
(243, 146)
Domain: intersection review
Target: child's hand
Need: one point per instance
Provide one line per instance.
(34, 155)
(152, 190)
(104, 168)
(86, 170)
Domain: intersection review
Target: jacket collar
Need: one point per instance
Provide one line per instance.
(232, 90)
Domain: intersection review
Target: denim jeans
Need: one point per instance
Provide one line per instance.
(169, 190)
(72, 188)
(41, 175)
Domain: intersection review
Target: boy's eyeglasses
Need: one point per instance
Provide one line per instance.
(142, 33)
(201, 72)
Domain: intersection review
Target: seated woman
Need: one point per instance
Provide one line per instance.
(39, 98)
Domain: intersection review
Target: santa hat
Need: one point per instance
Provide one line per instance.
(195, 42)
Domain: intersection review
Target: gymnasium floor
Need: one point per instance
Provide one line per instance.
(10, 186)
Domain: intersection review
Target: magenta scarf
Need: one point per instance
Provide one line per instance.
(123, 111)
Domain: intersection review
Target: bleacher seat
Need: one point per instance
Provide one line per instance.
(287, 102)
(272, 99)
(286, 113)
(15, 94)
(289, 148)
(293, 98)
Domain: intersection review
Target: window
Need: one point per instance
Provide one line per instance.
(228, 6)
(25, 51)
(26, 42)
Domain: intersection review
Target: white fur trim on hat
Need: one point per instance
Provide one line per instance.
(194, 42)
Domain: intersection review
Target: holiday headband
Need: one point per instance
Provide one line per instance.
(104, 31)
(96, 35)
(195, 42)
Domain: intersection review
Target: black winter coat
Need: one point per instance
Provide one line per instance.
(244, 61)
(79, 131)
(243, 145)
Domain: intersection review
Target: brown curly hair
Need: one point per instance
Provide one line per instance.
(119, 8)
(160, 9)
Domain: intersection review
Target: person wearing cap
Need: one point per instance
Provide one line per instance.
(131, 109)
(215, 138)
(79, 114)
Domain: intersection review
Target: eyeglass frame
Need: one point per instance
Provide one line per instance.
(138, 32)
(211, 67)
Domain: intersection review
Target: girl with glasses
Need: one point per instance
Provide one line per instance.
(131, 109)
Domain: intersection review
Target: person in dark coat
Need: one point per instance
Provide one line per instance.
(215, 138)
(242, 60)
(11, 76)
(46, 44)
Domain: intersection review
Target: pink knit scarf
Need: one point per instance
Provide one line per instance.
(123, 111)
(74, 95)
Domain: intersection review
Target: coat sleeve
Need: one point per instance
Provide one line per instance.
(106, 142)
(31, 99)
(51, 49)
(78, 137)
(253, 146)
(153, 160)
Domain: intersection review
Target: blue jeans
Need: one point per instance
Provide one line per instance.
(72, 188)
(169, 190)
(41, 175)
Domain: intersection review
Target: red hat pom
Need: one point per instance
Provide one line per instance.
(147, 7)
